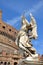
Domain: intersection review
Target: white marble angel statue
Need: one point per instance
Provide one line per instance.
(23, 38)
(34, 27)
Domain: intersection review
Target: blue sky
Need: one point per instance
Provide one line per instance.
(14, 9)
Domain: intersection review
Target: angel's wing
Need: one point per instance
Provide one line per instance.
(33, 21)
(24, 21)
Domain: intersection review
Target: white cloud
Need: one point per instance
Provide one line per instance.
(13, 21)
(34, 9)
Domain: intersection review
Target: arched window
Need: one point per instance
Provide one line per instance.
(15, 63)
(9, 29)
(3, 27)
(8, 63)
(5, 63)
(1, 62)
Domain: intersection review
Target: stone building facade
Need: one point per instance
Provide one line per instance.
(8, 50)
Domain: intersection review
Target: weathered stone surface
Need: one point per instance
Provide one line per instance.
(8, 48)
